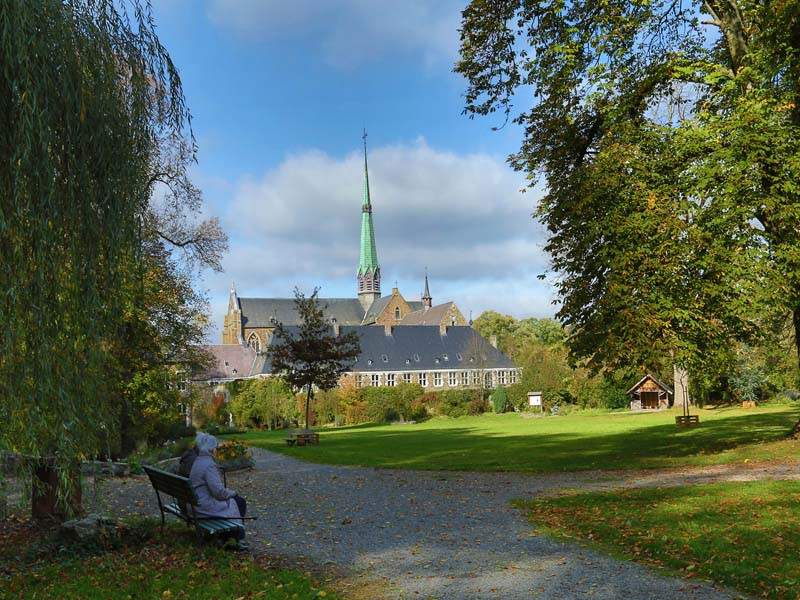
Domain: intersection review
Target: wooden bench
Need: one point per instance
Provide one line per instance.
(687, 420)
(302, 437)
(748, 404)
(184, 502)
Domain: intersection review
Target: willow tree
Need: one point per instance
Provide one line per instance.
(668, 134)
(87, 96)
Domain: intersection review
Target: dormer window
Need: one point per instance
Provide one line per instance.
(235, 371)
(458, 356)
(436, 360)
(369, 361)
(408, 361)
(445, 357)
(384, 358)
(416, 358)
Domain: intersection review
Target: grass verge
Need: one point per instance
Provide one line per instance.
(141, 563)
(572, 442)
(741, 535)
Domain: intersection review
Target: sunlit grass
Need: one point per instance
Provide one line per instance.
(572, 442)
(742, 535)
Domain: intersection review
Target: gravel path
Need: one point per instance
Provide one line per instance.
(445, 535)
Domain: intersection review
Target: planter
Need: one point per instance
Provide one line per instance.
(236, 464)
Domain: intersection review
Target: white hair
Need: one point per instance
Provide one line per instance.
(205, 442)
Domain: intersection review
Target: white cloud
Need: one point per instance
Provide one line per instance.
(350, 32)
(461, 216)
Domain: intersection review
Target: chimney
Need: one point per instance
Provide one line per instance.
(493, 340)
(442, 328)
(387, 328)
(335, 328)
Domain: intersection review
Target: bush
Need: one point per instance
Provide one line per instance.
(500, 400)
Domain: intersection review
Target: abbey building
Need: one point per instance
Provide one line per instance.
(402, 340)
(251, 321)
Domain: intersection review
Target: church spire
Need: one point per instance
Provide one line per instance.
(369, 272)
(427, 301)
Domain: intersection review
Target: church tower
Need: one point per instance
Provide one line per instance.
(369, 272)
(232, 326)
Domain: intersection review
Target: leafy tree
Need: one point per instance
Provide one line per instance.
(263, 401)
(311, 355)
(87, 97)
(667, 134)
(490, 323)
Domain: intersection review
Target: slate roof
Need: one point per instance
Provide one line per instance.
(432, 316)
(257, 312)
(231, 361)
(422, 348)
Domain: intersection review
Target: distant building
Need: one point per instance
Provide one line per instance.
(402, 340)
(650, 393)
(252, 321)
(433, 357)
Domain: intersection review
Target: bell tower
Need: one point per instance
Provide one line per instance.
(369, 272)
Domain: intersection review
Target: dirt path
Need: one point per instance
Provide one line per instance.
(446, 535)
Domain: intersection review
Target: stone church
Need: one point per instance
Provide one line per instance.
(252, 321)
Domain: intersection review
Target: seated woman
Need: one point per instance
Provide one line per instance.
(215, 500)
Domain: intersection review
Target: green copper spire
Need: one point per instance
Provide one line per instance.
(368, 261)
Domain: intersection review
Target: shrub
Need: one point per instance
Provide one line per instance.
(500, 400)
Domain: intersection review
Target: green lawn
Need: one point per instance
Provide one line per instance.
(742, 535)
(143, 566)
(570, 442)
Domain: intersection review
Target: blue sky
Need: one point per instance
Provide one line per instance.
(280, 92)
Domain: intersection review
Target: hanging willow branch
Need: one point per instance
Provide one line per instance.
(86, 93)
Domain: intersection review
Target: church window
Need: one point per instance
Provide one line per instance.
(397, 313)
(254, 343)
(512, 376)
(423, 379)
(452, 378)
(487, 379)
(406, 377)
(501, 377)
(376, 380)
(464, 378)
(437, 379)
(390, 379)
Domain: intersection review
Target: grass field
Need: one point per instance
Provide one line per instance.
(742, 535)
(572, 442)
(145, 564)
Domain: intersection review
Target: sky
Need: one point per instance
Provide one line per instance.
(281, 92)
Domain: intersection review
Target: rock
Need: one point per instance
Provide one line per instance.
(99, 467)
(93, 526)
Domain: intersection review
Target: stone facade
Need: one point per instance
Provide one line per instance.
(396, 307)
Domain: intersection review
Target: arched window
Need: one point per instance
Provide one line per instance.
(254, 342)
(397, 313)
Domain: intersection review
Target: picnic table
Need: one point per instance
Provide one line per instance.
(302, 437)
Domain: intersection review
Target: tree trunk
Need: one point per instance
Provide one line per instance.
(308, 404)
(49, 499)
(795, 432)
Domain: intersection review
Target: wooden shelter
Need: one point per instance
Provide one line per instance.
(650, 394)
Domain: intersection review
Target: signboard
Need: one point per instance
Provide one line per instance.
(535, 398)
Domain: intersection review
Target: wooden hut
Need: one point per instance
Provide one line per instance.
(650, 394)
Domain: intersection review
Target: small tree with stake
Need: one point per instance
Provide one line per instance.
(312, 354)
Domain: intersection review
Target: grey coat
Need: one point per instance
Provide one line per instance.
(215, 499)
